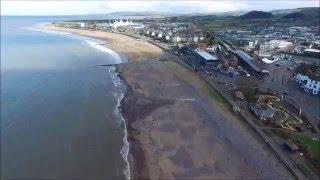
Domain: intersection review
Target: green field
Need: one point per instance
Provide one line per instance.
(311, 146)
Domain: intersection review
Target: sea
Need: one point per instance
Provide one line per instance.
(60, 115)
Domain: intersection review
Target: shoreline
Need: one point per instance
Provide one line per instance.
(135, 155)
(132, 49)
(143, 106)
(125, 150)
(133, 146)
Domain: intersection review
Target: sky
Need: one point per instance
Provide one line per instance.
(26, 7)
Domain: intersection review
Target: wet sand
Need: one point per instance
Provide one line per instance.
(175, 128)
(177, 131)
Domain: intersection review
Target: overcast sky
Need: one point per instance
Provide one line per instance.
(102, 7)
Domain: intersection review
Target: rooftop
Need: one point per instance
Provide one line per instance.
(248, 59)
(205, 55)
(312, 71)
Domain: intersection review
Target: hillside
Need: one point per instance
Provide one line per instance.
(309, 12)
(256, 15)
(294, 15)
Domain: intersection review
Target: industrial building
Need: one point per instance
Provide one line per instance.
(204, 56)
(246, 61)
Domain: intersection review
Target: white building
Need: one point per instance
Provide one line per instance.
(309, 85)
(312, 51)
(277, 45)
(167, 38)
(212, 49)
(80, 24)
(195, 39)
(175, 39)
(160, 34)
(118, 23)
(251, 45)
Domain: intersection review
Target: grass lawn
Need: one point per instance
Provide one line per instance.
(311, 145)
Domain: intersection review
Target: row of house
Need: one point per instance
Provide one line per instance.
(174, 33)
(308, 78)
(169, 36)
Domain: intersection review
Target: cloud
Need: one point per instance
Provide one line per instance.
(100, 7)
(49, 7)
(113, 6)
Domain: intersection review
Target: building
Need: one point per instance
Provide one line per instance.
(195, 39)
(136, 26)
(247, 61)
(204, 56)
(263, 111)
(153, 33)
(251, 45)
(309, 85)
(312, 52)
(167, 38)
(199, 57)
(159, 35)
(80, 24)
(175, 39)
(312, 86)
(277, 45)
(309, 78)
(117, 23)
(212, 49)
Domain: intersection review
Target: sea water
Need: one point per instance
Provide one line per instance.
(59, 107)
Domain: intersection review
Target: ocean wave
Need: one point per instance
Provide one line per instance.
(115, 79)
(119, 94)
(97, 44)
(126, 147)
(102, 48)
(46, 31)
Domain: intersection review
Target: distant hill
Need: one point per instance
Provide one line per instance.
(143, 14)
(284, 11)
(294, 15)
(231, 13)
(308, 12)
(256, 15)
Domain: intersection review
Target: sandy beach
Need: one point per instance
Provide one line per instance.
(175, 128)
(133, 49)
